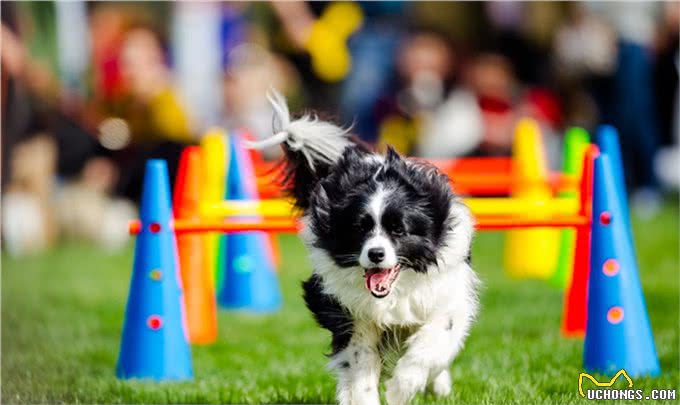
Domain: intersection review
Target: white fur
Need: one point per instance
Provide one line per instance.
(445, 296)
(379, 239)
(375, 241)
(377, 203)
(318, 141)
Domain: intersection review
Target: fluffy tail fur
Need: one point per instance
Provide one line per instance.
(311, 146)
(317, 141)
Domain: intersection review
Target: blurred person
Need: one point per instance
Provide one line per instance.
(503, 100)
(99, 218)
(509, 36)
(429, 117)
(31, 126)
(107, 25)
(149, 120)
(43, 146)
(492, 79)
(156, 111)
(251, 73)
(631, 105)
(585, 61)
(28, 217)
(372, 49)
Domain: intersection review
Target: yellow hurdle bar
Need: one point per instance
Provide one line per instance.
(523, 206)
(510, 206)
(234, 208)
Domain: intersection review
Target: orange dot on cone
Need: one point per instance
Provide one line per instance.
(615, 315)
(610, 267)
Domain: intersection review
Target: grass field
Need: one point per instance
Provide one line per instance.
(62, 317)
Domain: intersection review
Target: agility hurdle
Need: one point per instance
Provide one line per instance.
(524, 176)
(614, 308)
(492, 176)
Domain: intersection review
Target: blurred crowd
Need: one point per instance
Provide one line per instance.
(92, 90)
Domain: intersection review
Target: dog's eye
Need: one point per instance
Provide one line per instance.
(364, 224)
(396, 229)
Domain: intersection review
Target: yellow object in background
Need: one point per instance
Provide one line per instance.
(215, 157)
(531, 253)
(399, 132)
(327, 42)
(169, 117)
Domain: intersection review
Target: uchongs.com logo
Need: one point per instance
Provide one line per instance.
(606, 390)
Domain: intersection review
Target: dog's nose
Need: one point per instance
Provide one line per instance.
(376, 254)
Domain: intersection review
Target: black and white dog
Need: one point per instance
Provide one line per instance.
(390, 247)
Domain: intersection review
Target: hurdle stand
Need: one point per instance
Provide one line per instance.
(194, 264)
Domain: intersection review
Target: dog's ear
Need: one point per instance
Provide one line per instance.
(395, 166)
(392, 157)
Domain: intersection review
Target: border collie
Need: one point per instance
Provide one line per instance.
(389, 243)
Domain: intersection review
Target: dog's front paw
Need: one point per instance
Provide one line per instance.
(404, 384)
(441, 385)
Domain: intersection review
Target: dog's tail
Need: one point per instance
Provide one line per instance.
(311, 147)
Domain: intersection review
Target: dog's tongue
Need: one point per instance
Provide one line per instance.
(379, 281)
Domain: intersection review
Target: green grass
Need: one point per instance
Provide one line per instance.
(62, 317)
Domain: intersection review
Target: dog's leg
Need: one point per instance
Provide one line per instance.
(428, 356)
(358, 368)
(441, 384)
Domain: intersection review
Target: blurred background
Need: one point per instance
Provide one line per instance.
(90, 90)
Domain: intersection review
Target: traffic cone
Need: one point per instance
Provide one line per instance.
(199, 293)
(576, 141)
(575, 313)
(618, 333)
(530, 253)
(214, 154)
(154, 340)
(250, 281)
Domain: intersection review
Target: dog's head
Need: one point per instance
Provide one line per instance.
(381, 213)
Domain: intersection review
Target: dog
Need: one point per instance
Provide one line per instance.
(389, 243)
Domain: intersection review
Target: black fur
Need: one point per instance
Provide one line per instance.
(298, 180)
(329, 313)
(415, 215)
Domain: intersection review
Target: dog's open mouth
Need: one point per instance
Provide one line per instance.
(379, 281)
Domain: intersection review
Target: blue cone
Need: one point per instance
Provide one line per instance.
(154, 343)
(250, 281)
(618, 333)
(607, 139)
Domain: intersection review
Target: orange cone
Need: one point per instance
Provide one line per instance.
(199, 293)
